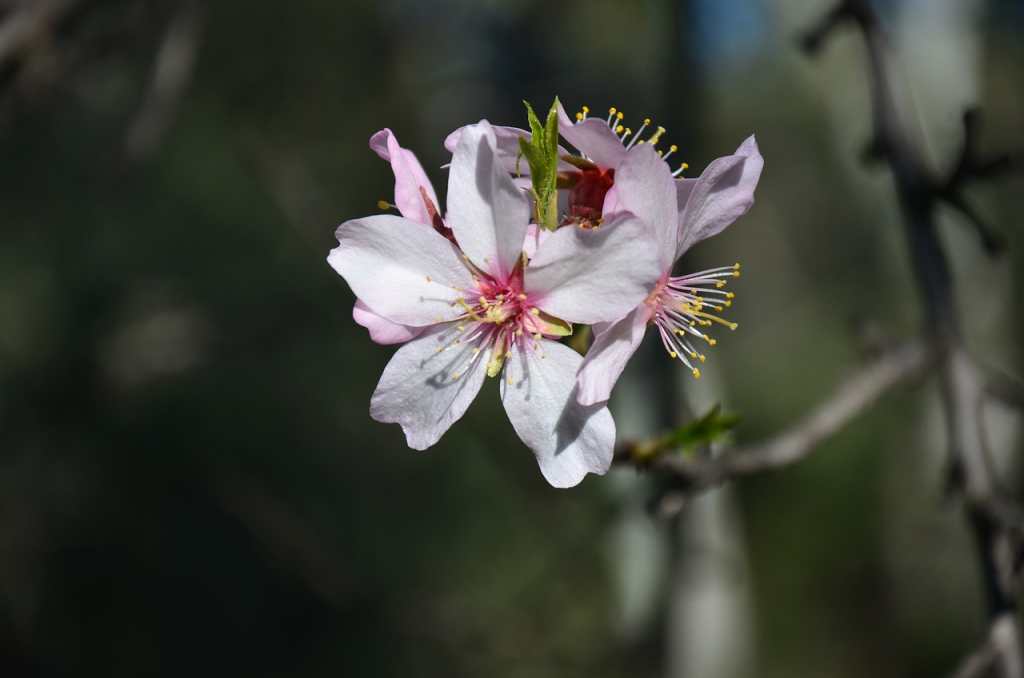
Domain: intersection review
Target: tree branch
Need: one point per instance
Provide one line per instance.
(852, 397)
(996, 529)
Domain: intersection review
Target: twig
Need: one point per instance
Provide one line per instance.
(852, 397)
(962, 383)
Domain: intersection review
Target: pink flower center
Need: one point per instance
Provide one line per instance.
(586, 197)
(681, 307)
(498, 315)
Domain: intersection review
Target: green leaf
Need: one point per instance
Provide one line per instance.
(541, 153)
(704, 430)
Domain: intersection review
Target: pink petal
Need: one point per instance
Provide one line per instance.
(486, 212)
(535, 235)
(507, 139)
(507, 144)
(418, 389)
(594, 275)
(593, 138)
(409, 177)
(409, 274)
(723, 193)
(382, 330)
(607, 358)
(644, 186)
(538, 390)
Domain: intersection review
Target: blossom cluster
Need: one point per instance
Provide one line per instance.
(485, 288)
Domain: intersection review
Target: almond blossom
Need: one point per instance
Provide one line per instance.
(482, 309)
(682, 213)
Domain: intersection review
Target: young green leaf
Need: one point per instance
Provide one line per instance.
(541, 153)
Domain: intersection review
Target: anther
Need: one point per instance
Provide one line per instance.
(384, 205)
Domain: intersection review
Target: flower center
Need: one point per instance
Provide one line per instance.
(681, 307)
(498, 315)
(586, 197)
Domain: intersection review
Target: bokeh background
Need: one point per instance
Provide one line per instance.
(190, 482)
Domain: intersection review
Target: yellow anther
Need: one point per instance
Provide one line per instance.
(720, 284)
(736, 266)
(619, 115)
(711, 342)
(727, 303)
(586, 109)
(535, 311)
(455, 376)
(647, 121)
(384, 205)
(733, 326)
(673, 354)
(729, 295)
(579, 117)
(619, 129)
(685, 166)
(653, 139)
(673, 148)
(696, 373)
(628, 131)
(680, 332)
(612, 110)
(702, 357)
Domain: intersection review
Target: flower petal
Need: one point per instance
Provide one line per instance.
(409, 177)
(644, 186)
(593, 138)
(419, 391)
(607, 358)
(535, 235)
(382, 330)
(538, 390)
(723, 193)
(507, 145)
(594, 275)
(507, 139)
(406, 273)
(486, 211)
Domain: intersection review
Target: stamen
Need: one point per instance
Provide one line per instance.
(385, 205)
(647, 121)
(611, 114)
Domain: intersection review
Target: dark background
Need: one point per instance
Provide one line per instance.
(190, 483)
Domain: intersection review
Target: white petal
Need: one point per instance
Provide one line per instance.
(419, 391)
(382, 330)
(486, 211)
(538, 390)
(594, 275)
(593, 138)
(613, 347)
(644, 186)
(723, 193)
(409, 274)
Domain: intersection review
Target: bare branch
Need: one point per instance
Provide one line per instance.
(995, 521)
(852, 397)
(1005, 388)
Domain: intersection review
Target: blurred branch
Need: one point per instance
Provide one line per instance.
(992, 652)
(28, 23)
(1005, 388)
(172, 72)
(996, 526)
(852, 397)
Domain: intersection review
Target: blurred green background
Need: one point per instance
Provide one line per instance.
(190, 483)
